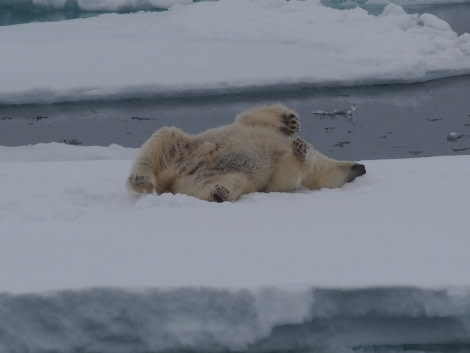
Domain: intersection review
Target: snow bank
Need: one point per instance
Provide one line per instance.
(66, 221)
(95, 5)
(410, 2)
(224, 46)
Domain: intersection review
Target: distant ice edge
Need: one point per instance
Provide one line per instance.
(139, 5)
(201, 319)
(94, 5)
(152, 92)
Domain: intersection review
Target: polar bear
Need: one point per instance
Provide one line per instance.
(258, 152)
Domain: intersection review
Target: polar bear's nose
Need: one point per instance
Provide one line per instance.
(356, 171)
(359, 169)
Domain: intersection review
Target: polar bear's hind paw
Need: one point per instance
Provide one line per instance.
(290, 124)
(300, 148)
(221, 194)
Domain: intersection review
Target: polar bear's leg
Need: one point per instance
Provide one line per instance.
(230, 186)
(292, 167)
(141, 183)
(152, 170)
(218, 188)
(288, 175)
(277, 117)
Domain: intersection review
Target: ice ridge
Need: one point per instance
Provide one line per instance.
(220, 320)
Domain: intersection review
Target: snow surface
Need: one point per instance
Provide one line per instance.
(223, 46)
(66, 221)
(407, 2)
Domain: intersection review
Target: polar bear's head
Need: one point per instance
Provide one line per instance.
(329, 173)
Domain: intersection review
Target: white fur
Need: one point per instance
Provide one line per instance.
(256, 153)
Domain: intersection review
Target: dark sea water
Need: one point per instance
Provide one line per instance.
(396, 121)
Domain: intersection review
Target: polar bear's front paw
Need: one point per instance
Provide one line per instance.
(221, 194)
(290, 123)
(300, 148)
(140, 183)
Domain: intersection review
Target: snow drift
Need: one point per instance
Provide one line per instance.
(67, 222)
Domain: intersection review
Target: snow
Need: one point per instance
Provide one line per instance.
(67, 222)
(412, 2)
(117, 5)
(222, 46)
(99, 5)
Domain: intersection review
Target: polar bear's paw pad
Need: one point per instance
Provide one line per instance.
(140, 183)
(300, 147)
(139, 180)
(290, 124)
(221, 194)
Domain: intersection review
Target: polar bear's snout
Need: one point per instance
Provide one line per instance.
(360, 169)
(356, 170)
